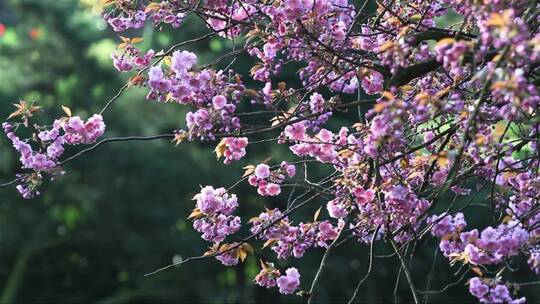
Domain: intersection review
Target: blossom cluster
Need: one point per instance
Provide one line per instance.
(269, 277)
(268, 181)
(235, 148)
(492, 292)
(316, 112)
(287, 239)
(214, 94)
(399, 201)
(132, 58)
(490, 246)
(321, 146)
(129, 16)
(451, 54)
(446, 224)
(289, 282)
(214, 214)
(66, 131)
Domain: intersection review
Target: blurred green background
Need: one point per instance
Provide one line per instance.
(120, 211)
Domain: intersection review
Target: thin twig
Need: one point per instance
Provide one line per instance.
(406, 271)
(369, 267)
(10, 183)
(115, 139)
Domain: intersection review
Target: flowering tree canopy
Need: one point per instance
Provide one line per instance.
(444, 112)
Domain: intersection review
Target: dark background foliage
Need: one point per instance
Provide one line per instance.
(120, 211)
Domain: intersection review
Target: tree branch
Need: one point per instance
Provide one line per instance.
(322, 265)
